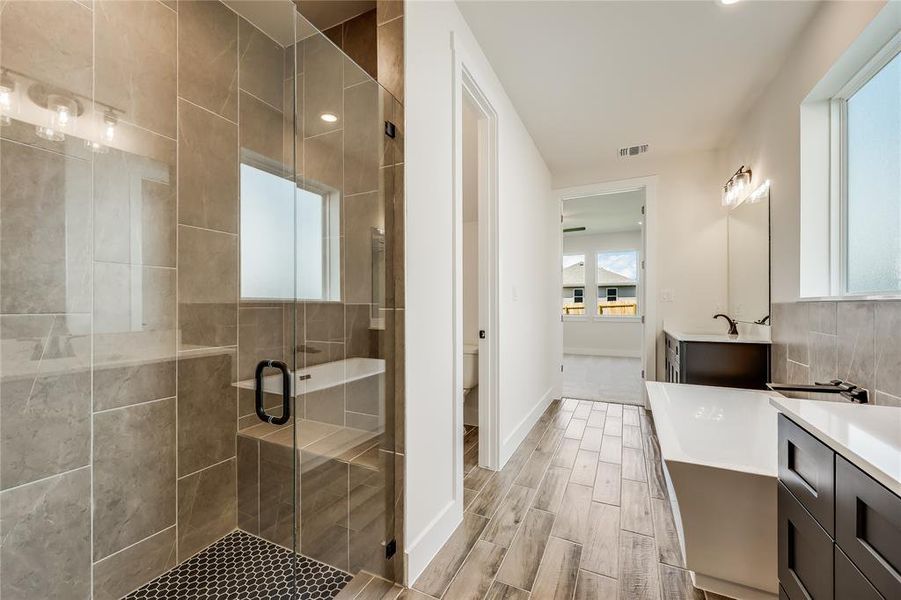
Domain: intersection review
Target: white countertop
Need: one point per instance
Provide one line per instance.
(868, 436)
(716, 337)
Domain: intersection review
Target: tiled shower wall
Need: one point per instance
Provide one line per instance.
(856, 341)
(121, 329)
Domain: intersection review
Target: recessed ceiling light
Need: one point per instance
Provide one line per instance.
(727, 2)
(329, 117)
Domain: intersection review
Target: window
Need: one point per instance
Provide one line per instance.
(871, 122)
(573, 284)
(290, 240)
(850, 176)
(617, 280)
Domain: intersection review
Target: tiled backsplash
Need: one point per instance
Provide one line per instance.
(855, 341)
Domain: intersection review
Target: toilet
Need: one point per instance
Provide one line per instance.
(470, 366)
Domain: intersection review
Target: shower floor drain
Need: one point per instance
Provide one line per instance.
(242, 566)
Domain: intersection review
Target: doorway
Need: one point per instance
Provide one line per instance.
(603, 296)
(475, 279)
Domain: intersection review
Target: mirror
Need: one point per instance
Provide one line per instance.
(748, 227)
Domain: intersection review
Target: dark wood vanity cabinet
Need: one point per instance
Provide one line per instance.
(725, 364)
(839, 529)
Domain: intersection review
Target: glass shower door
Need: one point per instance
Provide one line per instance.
(197, 315)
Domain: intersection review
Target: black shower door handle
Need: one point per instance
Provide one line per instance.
(286, 392)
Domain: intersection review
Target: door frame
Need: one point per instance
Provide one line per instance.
(466, 88)
(648, 299)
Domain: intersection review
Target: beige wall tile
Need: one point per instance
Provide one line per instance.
(389, 9)
(207, 507)
(323, 66)
(135, 199)
(324, 506)
(360, 44)
(134, 333)
(134, 57)
(206, 410)
(323, 159)
(207, 287)
(43, 524)
(119, 574)
(391, 57)
(261, 64)
(363, 133)
(134, 474)
(208, 170)
(261, 129)
(45, 418)
(248, 465)
(49, 42)
(277, 516)
(364, 215)
(45, 231)
(208, 56)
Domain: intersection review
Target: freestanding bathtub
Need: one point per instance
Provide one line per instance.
(719, 454)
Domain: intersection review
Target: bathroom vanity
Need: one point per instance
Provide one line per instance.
(839, 500)
(720, 360)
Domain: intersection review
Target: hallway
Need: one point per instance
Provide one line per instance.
(579, 511)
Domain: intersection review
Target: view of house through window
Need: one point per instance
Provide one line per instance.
(617, 280)
(873, 186)
(573, 284)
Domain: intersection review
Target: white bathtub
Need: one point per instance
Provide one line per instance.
(320, 377)
(719, 454)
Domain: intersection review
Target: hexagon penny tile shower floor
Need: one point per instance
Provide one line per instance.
(241, 566)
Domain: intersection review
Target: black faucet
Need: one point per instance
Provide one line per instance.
(836, 386)
(762, 321)
(733, 326)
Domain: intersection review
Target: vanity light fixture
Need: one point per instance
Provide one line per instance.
(759, 193)
(736, 189)
(329, 117)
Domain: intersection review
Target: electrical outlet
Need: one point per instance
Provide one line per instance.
(666, 295)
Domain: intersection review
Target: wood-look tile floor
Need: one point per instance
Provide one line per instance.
(578, 512)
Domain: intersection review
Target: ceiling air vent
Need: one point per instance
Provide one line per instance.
(631, 151)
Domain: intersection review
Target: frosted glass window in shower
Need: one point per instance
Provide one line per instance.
(273, 210)
(873, 232)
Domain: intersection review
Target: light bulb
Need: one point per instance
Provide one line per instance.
(109, 127)
(62, 117)
(329, 117)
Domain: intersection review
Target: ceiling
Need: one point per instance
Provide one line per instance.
(606, 213)
(590, 77)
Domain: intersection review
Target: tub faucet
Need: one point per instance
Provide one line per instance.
(733, 326)
(836, 386)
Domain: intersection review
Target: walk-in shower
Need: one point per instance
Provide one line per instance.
(188, 195)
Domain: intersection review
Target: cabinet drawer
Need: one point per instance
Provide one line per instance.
(850, 584)
(868, 527)
(805, 552)
(807, 468)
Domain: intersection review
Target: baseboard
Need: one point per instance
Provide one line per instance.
(604, 352)
(512, 441)
(420, 552)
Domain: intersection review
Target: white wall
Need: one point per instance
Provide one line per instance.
(528, 245)
(690, 230)
(769, 139)
(590, 335)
